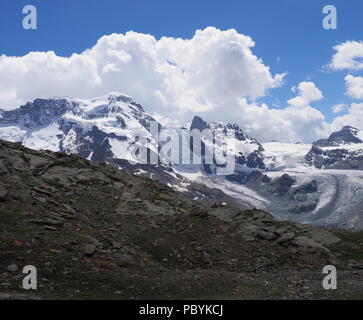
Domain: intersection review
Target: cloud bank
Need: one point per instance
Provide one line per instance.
(297, 122)
(348, 56)
(179, 74)
(307, 93)
(214, 74)
(353, 118)
(354, 86)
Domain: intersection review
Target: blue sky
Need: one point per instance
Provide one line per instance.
(288, 33)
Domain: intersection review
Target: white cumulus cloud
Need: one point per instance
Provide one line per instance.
(354, 87)
(297, 122)
(338, 108)
(353, 118)
(307, 93)
(214, 74)
(348, 56)
(291, 124)
(167, 75)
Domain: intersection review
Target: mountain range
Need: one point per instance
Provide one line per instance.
(319, 183)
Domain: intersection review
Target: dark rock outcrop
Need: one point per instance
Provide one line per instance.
(336, 152)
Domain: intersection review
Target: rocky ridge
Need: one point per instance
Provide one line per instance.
(94, 231)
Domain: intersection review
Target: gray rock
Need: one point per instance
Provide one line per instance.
(124, 260)
(286, 237)
(265, 235)
(302, 241)
(12, 267)
(322, 236)
(283, 184)
(225, 213)
(88, 249)
(116, 245)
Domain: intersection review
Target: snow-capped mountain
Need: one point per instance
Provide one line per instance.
(288, 180)
(342, 150)
(96, 129)
(111, 129)
(245, 152)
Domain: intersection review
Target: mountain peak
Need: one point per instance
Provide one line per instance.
(199, 123)
(114, 96)
(349, 128)
(346, 135)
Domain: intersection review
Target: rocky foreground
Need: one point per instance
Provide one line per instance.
(93, 231)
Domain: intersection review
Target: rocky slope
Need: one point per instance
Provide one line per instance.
(94, 231)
